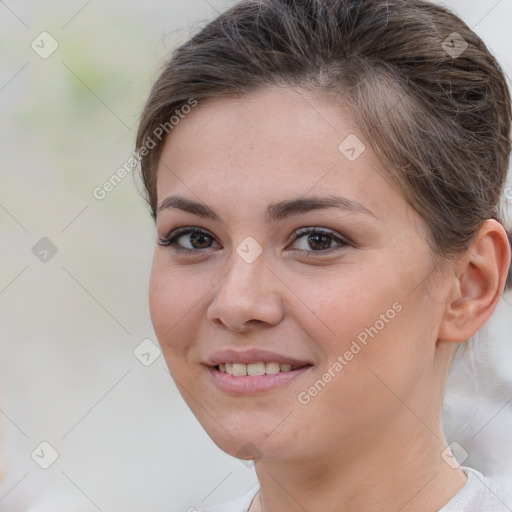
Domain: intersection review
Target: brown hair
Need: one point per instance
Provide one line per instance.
(421, 85)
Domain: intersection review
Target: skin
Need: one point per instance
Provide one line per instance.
(371, 439)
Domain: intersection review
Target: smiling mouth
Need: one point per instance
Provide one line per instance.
(257, 369)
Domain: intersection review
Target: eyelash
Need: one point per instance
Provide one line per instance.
(170, 240)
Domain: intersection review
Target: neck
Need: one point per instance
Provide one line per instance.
(368, 477)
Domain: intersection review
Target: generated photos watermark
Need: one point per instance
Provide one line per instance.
(357, 345)
(159, 133)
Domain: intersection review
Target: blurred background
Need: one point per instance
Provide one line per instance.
(91, 419)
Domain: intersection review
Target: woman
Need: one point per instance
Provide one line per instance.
(325, 177)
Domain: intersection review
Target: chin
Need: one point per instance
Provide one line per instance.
(246, 436)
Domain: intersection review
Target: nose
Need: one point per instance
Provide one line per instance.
(248, 295)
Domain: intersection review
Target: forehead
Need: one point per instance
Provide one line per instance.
(270, 115)
(273, 142)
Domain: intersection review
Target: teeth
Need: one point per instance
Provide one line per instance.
(271, 368)
(239, 369)
(255, 369)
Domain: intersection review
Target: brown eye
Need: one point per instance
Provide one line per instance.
(315, 240)
(192, 240)
(198, 240)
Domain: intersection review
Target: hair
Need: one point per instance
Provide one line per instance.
(439, 121)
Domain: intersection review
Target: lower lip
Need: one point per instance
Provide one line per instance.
(247, 384)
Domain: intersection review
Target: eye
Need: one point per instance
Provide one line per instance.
(319, 240)
(195, 240)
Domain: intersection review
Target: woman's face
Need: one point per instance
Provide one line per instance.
(336, 288)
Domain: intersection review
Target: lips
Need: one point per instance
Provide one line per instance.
(253, 371)
(253, 384)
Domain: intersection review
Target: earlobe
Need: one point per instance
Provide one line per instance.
(478, 285)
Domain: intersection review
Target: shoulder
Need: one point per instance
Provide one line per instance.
(481, 494)
(240, 504)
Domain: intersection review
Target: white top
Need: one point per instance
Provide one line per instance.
(478, 495)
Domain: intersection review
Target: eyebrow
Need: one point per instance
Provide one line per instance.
(275, 211)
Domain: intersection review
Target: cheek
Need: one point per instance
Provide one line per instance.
(372, 334)
(172, 302)
(342, 308)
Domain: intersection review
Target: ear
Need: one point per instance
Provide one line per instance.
(478, 284)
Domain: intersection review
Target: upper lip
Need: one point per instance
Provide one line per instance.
(252, 356)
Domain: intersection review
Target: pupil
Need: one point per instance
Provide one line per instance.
(311, 240)
(194, 239)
